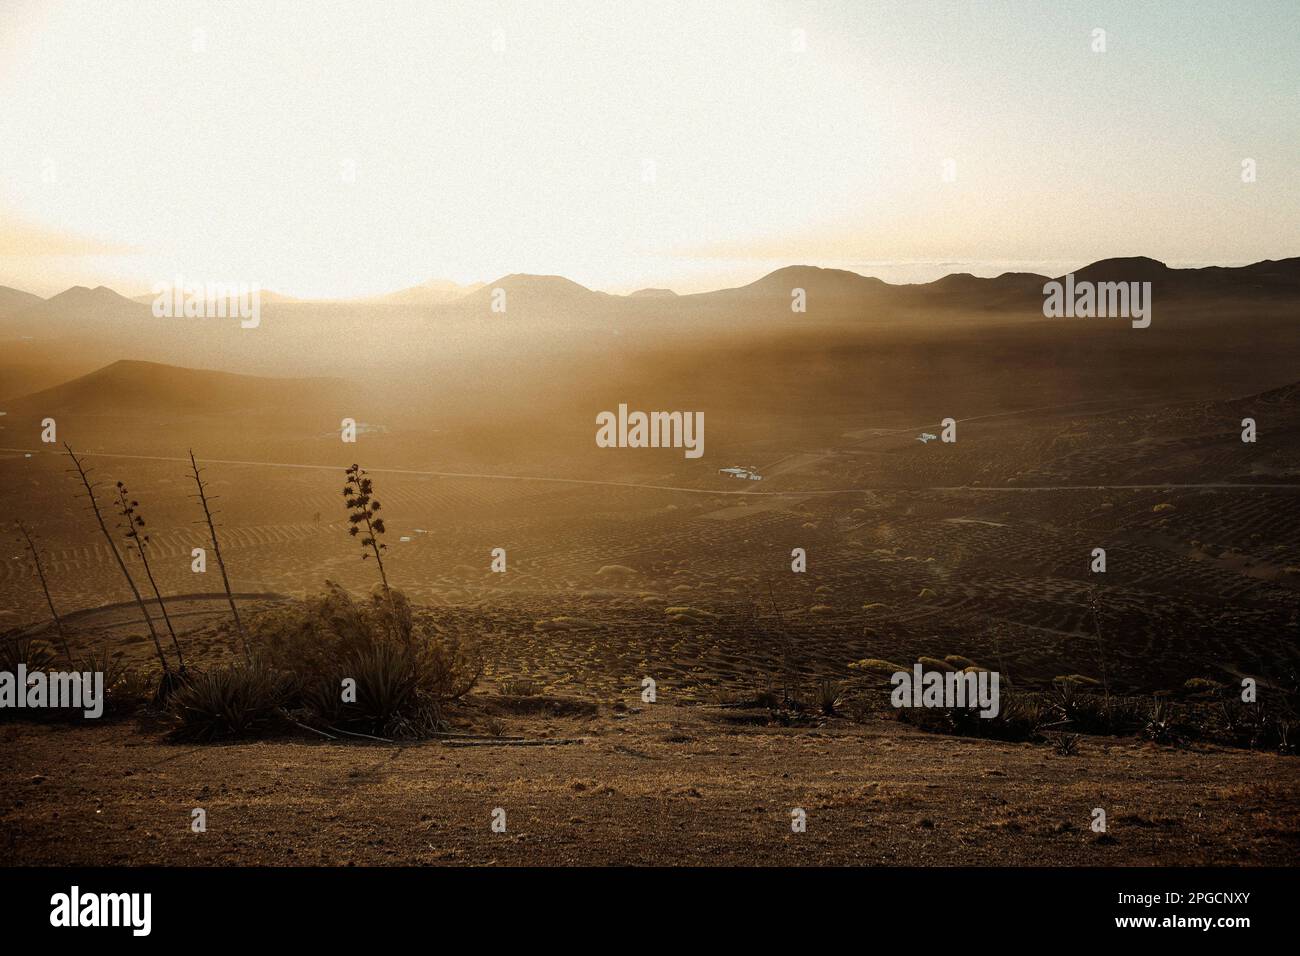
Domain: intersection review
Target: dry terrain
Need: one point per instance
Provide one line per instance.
(624, 564)
(654, 784)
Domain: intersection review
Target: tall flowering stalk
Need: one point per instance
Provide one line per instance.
(363, 510)
(129, 509)
(204, 498)
(84, 474)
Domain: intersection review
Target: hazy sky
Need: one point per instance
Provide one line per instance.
(351, 148)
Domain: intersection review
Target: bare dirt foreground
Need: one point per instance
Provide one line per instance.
(647, 784)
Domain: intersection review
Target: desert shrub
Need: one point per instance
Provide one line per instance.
(449, 666)
(1120, 716)
(126, 689)
(1020, 718)
(387, 691)
(768, 697)
(237, 700)
(520, 687)
(1286, 738)
(1160, 722)
(1065, 745)
(829, 697)
(683, 614)
(308, 638)
(33, 654)
(860, 707)
(405, 666)
(878, 666)
(1202, 686)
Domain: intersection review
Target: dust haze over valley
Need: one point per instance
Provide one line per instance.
(624, 563)
(481, 425)
(617, 419)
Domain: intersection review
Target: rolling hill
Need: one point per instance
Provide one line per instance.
(132, 388)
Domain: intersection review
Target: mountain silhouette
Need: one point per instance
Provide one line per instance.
(129, 387)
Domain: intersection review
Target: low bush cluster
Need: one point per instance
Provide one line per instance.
(125, 689)
(371, 667)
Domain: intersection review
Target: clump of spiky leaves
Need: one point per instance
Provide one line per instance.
(1065, 745)
(124, 691)
(230, 702)
(29, 652)
(32, 655)
(829, 696)
(402, 666)
(1160, 726)
(1021, 717)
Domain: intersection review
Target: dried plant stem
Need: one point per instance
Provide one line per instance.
(216, 550)
(383, 575)
(140, 543)
(45, 586)
(112, 546)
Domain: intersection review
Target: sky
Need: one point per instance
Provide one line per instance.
(334, 149)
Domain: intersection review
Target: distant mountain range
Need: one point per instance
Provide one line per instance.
(958, 290)
(447, 327)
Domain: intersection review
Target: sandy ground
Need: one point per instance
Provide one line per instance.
(642, 784)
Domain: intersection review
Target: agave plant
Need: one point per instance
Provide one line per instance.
(829, 697)
(239, 700)
(30, 653)
(1160, 722)
(387, 681)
